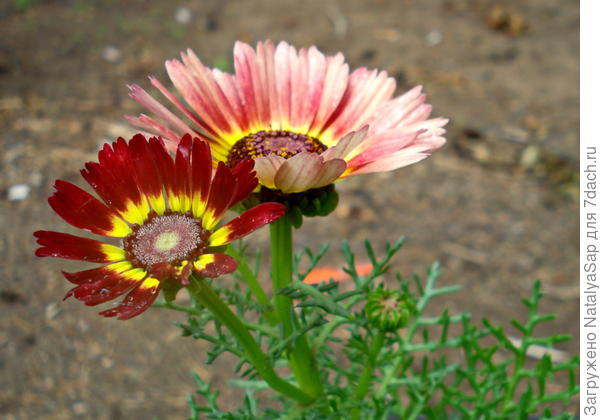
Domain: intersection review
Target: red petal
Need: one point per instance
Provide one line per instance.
(147, 175)
(246, 180)
(137, 301)
(214, 265)
(222, 190)
(164, 164)
(248, 222)
(63, 245)
(201, 174)
(102, 284)
(183, 169)
(84, 211)
(114, 178)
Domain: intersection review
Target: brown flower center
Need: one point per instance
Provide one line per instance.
(170, 238)
(280, 143)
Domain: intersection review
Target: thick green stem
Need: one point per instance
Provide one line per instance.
(203, 294)
(301, 360)
(367, 374)
(253, 284)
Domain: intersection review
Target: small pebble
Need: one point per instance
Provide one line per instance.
(52, 310)
(18, 192)
(79, 408)
(111, 54)
(83, 326)
(433, 38)
(530, 156)
(183, 15)
(107, 362)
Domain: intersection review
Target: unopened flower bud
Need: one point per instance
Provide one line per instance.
(389, 310)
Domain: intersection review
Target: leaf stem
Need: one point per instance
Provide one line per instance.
(204, 294)
(253, 283)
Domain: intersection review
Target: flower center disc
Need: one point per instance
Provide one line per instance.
(165, 239)
(280, 143)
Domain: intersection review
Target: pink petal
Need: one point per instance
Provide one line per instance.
(392, 113)
(299, 87)
(396, 160)
(204, 80)
(383, 144)
(334, 85)
(189, 83)
(392, 140)
(246, 72)
(316, 68)
(307, 170)
(367, 90)
(261, 82)
(346, 145)
(230, 87)
(185, 110)
(266, 167)
(152, 127)
(266, 54)
(157, 108)
(283, 79)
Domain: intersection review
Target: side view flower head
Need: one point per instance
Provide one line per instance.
(305, 119)
(164, 209)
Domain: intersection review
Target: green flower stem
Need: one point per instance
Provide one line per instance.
(204, 294)
(367, 374)
(253, 283)
(192, 311)
(301, 360)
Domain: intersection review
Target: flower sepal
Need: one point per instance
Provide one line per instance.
(170, 288)
(311, 203)
(319, 202)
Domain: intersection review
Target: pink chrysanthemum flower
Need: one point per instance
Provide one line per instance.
(165, 210)
(303, 118)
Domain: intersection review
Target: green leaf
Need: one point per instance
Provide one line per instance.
(316, 298)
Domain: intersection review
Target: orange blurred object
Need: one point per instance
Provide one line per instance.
(321, 274)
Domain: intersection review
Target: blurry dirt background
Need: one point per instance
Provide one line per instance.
(497, 205)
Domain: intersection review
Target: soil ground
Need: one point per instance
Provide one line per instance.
(497, 206)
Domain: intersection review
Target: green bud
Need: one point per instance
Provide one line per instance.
(389, 310)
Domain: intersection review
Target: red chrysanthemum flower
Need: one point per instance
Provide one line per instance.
(301, 115)
(164, 209)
